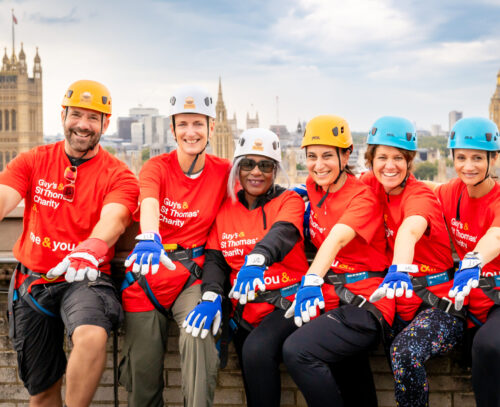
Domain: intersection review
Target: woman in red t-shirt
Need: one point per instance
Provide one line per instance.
(256, 245)
(471, 207)
(346, 226)
(421, 273)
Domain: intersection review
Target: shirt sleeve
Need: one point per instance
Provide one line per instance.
(18, 173)
(124, 188)
(150, 179)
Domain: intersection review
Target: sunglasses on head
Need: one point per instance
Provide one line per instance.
(247, 164)
(69, 189)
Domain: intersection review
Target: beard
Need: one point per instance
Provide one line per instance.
(81, 144)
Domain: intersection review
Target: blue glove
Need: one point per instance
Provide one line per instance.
(207, 313)
(148, 253)
(308, 297)
(466, 278)
(250, 277)
(396, 282)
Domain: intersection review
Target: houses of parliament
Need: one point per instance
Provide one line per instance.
(21, 120)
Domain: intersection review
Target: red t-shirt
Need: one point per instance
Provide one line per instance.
(432, 252)
(236, 232)
(187, 210)
(477, 215)
(52, 226)
(356, 206)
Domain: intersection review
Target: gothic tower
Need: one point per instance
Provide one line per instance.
(253, 122)
(21, 126)
(495, 103)
(222, 139)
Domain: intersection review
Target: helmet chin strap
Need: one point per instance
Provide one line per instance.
(334, 182)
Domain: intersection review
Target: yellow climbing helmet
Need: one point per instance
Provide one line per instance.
(88, 95)
(327, 130)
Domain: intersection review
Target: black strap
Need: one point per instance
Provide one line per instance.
(487, 284)
(420, 285)
(143, 283)
(10, 305)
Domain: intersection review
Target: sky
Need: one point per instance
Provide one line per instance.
(359, 59)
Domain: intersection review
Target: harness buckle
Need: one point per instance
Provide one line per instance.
(450, 303)
(363, 300)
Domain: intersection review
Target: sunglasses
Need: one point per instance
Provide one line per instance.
(266, 166)
(69, 189)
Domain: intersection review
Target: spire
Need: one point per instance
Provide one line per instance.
(37, 57)
(220, 90)
(22, 55)
(5, 66)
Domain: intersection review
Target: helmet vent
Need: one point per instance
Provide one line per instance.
(242, 141)
(374, 130)
(342, 130)
(275, 145)
(409, 136)
(172, 100)
(70, 92)
(452, 135)
(104, 100)
(489, 136)
(207, 101)
(335, 131)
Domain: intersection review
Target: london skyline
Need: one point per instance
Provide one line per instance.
(359, 60)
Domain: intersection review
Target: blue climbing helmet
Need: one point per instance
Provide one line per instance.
(394, 132)
(475, 133)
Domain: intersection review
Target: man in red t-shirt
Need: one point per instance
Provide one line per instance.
(78, 201)
(181, 193)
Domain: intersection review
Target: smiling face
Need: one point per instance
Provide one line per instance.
(470, 165)
(389, 167)
(191, 132)
(82, 130)
(323, 164)
(255, 182)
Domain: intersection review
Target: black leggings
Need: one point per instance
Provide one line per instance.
(486, 361)
(259, 353)
(330, 341)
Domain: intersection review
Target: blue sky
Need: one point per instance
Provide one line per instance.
(360, 59)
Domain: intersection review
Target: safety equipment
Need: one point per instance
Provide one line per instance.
(466, 278)
(476, 133)
(302, 191)
(328, 131)
(308, 297)
(82, 262)
(394, 132)
(250, 277)
(259, 141)
(397, 282)
(88, 95)
(192, 99)
(208, 313)
(148, 253)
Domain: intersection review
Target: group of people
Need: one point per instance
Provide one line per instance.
(221, 252)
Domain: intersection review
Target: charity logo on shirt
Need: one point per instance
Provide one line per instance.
(230, 243)
(176, 213)
(314, 227)
(48, 193)
(462, 237)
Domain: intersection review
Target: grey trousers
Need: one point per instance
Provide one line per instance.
(145, 344)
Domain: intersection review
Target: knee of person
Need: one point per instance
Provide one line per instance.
(90, 337)
(292, 351)
(401, 357)
(486, 347)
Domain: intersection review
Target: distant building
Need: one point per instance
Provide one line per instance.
(283, 134)
(222, 139)
(21, 125)
(495, 103)
(124, 125)
(453, 117)
(253, 123)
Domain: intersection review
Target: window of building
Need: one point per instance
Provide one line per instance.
(14, 121)
(6, 116)
(1, 124)
(7, 157)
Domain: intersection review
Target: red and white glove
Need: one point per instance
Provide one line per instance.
(81, 262)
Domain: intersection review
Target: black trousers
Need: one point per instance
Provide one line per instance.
(328, 359)
(486, 361)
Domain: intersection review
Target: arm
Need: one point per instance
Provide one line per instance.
(409, 233)
(215, 271)
(114, 219)
(432, 185)
(150, 215)
(339, 237)
(278, 242)
(488, 246)
(9, 199)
